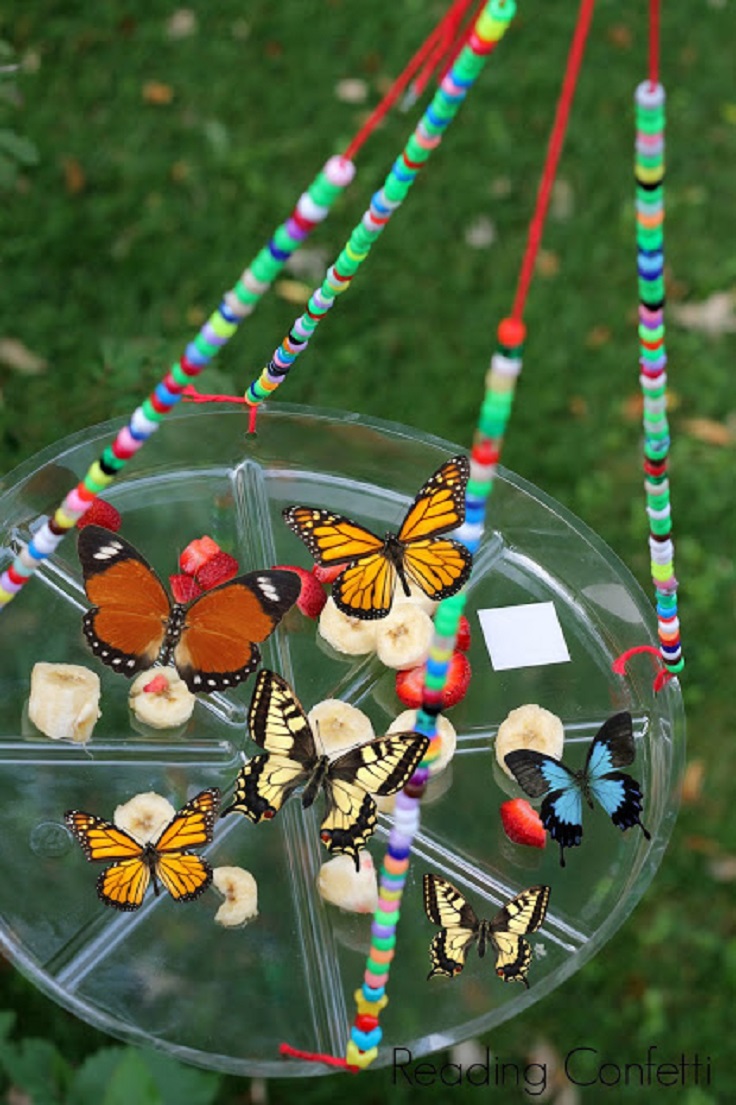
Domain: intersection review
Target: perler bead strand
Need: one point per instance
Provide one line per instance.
(649, 172)
(236, 305)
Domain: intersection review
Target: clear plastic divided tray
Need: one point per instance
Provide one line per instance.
(167, 975)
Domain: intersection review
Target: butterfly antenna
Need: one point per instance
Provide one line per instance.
(562, 855)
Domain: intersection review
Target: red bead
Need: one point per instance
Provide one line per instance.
(157, 405)
(15, 578)
(187, 367)
(171, 384)
(364, 1022)
(511, 332)
(121, 452)
(484, 452)
(301, 222)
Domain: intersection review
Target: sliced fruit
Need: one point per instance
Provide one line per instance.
(218, 569)
(101, 513)
(529, 726)
(410, 684)
(197, 553)
(353, 636)
(144, 816)
(463, 634)
(161, 699)
(405, 723)
(522, 824)
(240, 891)
(64, 701)
(184, 588)
(341, 885)
(312, 597)
(403, 637)
(339, 725)
(418, 597)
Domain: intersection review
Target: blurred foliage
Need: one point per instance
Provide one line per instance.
(143, 167)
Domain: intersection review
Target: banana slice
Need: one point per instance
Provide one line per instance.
(144, 816)
(240, 892)
(64, 701)
(339, 725)
(403, 637)
(417, 595)
(166, 704)
(341, 885)
(352, 636)
(529, 726)
(405, 723)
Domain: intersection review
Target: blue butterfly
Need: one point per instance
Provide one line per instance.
(564, 790)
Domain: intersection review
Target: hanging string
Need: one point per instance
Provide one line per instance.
(426, 58)
(654, 40)
(554, 149)
(485, 36)
(446, 52)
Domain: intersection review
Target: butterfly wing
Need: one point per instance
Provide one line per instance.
(366, 589)
(446, 906)
(331, 538)
(439, 566)
(218, 643)
(122, 884)
(618, 793)
(378, 767)
(440, 503)
(562, 808)
(130, 608)
(524, 913)
(192, 826)
(277, 723)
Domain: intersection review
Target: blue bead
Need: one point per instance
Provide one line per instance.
(435, 119)
(373, 993)
(474, 514)
(379, 203)
(366, 1040)
(398, 853)
(279, 254)
(227, 313)
(168, 398)
(437, 667)
(193, 354)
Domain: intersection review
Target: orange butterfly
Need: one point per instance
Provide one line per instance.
(212, 642)
(168, 860)
(417, 553)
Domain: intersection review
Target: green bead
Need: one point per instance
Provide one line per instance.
(650, 122)
(283, 240)
(660, 526)
(150, 411)
(111, 461)
(345, 265)
(322, 191)
(382, 918)
(180, 375)
(677, 666)
(383, 943)
(502, 10)
(207, 349)
(658, 502)
(479, 488)
(434, 682)
(376, 968)
(245, 295)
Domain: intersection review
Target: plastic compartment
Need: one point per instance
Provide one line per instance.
(167, 975)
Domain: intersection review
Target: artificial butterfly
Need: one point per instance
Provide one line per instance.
(278, 723)
(417, 553)
(445, 906)
(212, 642)
(562, 808)
(168, 860)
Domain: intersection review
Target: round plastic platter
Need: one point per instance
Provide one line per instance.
(167, 975)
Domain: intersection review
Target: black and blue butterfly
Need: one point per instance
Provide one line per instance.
(564, 789)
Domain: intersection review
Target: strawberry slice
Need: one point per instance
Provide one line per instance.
(197, 553)
(410, 684)
(327, 575)
(103, 514)
(217, 569)
(463, 634)
(312, 597)
(522, 823)
(184, 588)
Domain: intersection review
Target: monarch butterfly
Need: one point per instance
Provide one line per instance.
(212, 642)
(417, 553)
(562, 809)
(445, 906)
(278, 724)
(124, 883)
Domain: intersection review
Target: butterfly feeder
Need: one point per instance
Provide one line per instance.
(551, 610)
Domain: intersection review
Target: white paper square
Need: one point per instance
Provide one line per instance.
(527, 636)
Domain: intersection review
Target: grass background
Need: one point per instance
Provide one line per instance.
(122, 220)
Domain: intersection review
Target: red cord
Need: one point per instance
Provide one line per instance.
(654, 21)
(663, 675)
(317, 1057)
(447, 26)
(554, 149)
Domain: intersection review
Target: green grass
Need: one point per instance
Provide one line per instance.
(109, 283)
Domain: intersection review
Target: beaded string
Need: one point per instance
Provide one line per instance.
(489, 28)
(506, 363)
(311, 208)
(649, 169)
